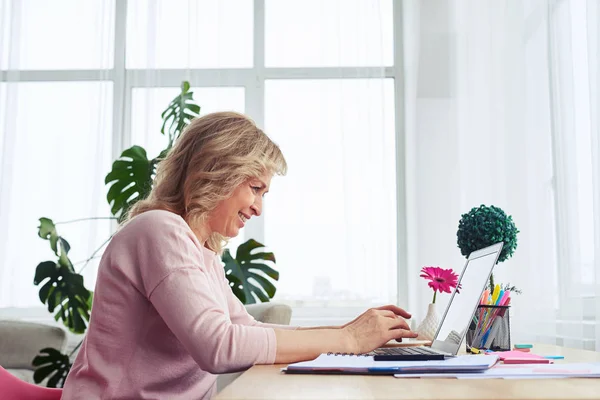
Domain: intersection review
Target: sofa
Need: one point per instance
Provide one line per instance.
(20, 341)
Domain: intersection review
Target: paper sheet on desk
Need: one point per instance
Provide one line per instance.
(501, 371)
(366, 365)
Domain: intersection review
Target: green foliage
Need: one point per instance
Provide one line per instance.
(180, 112)
(131, 179)
(47, 231)
(53, 364)
(484, 226)
(63, 289)
(249, 265)
(132, 173)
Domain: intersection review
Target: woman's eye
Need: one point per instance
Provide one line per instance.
(256, 189)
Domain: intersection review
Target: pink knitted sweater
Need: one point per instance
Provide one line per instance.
(164, 319)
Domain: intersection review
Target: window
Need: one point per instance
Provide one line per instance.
(315, 33)
(325, 94)
(57, 35)
(189, 34)
(337, 205)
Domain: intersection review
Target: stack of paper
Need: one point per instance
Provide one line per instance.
(345, 364)
(500, 371)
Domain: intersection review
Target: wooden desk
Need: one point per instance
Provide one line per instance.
(267, 382)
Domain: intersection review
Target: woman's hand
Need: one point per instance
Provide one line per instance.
(378, 326)
(370, 330)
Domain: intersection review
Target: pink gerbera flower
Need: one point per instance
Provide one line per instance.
(441, 280)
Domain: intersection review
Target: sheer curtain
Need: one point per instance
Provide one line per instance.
(332, 220)
(55, 134)
(502, 109)
(82, 81)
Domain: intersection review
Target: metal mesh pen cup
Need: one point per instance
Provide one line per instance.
(489, 329)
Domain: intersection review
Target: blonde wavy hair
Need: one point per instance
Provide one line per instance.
(212, 157)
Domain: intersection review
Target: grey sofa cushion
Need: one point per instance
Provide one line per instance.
(21, 341)
(25, 375)
(270, 313)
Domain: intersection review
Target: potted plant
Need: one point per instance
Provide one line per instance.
(484, 226)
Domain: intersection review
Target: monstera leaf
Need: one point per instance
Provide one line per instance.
(247, 273)
(53, 364)
(47, 230)
(62, 288)
(131, 179)
(181, 110)
(132, 174)
(64, 291)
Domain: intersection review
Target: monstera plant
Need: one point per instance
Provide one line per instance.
(250, 264)
(62, 286)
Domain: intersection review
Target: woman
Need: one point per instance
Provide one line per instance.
(165, 320)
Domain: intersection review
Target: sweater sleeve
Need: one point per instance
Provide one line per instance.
(183, 299)
(184, 290)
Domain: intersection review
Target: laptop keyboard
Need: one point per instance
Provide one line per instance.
(403, 351)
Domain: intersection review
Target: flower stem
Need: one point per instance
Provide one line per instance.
(434, 294)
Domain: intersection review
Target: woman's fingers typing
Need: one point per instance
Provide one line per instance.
(398, 334)
(386, 313)
(396, 310)
(400, 323)
(377, 326)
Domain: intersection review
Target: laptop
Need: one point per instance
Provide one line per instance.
(458, 315)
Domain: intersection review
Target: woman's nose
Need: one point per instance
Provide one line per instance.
(257, 208)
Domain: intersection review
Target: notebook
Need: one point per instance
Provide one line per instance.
(345, 364)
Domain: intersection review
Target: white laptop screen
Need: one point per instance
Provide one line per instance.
(461, 307)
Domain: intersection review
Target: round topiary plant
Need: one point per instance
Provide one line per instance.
(484, 226)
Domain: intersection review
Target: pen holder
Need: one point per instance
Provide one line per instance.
(489, 329)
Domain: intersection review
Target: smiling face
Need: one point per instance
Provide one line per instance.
(246, 201)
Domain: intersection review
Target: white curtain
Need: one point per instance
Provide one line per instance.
(55, 135)
(332, 221)
(81, 81)
(502, 109)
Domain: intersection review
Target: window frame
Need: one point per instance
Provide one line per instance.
(253, 81)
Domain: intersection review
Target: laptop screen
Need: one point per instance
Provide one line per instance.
(461, 307)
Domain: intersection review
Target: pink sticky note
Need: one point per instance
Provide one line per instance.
(518, 357)
(527, 361)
